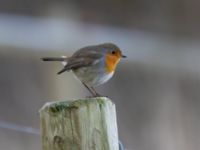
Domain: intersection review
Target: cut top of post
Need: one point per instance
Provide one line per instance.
(57, 106)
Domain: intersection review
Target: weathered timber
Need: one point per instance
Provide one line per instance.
(86, 124)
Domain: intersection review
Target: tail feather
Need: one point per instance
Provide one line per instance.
(62, 59)
(54, 59)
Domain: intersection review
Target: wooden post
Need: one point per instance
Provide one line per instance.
(88, 124)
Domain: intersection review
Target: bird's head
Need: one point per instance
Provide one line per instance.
(112, 56)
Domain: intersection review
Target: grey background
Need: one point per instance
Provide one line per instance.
(156, 89)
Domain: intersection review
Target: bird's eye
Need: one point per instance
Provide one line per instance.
(113, 52)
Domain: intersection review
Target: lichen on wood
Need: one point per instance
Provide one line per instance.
(86, 124)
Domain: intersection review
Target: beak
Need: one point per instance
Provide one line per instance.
(123, 56)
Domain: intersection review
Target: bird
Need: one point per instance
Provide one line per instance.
(92, 65)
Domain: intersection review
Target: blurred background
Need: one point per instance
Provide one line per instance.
(156, 90)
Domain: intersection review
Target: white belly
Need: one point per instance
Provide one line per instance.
(103, 79)
(92, 78)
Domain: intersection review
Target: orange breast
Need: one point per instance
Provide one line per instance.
(111, 62)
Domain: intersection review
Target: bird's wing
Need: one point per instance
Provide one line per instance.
(80, 59)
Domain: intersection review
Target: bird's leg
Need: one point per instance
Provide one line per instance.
(89, 89)
(96, 94)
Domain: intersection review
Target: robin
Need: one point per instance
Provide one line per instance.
(92, 65)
